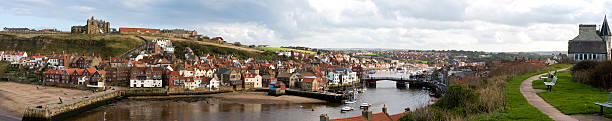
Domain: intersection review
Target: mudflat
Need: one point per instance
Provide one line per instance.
(263, 98)
(15, 97)
(234, 97)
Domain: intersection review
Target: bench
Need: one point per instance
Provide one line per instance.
(550, 84)
(606, 104)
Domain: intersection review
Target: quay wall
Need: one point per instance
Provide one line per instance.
(335, 98)
(52, 112)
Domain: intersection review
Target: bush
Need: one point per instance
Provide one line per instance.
(457, 95)
(585, 65)
(424, 114)
(582, 76)
(596, 74)
(601, 75)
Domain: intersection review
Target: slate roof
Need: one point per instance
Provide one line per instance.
(605, 29)
(588, 36)
(587, 47)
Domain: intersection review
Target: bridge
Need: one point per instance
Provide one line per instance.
(413, 79)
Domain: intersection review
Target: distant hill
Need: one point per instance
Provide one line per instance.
(81, 44)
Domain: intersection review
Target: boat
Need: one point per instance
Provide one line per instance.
(349, 101)
(363, 105)
(346, 108)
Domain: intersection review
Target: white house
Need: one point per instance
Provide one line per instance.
(252, 79)
(333, 78)
(214, 83)
(145, 83)
(13, 56)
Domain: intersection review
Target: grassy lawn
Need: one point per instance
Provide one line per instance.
(274, 49)
(572, 97)
(517, 107)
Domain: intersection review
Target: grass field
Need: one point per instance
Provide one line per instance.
(274, 49)
(517, 107)
(81, 44)
(572, 97)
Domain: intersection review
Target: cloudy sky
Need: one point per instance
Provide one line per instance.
(483, 25)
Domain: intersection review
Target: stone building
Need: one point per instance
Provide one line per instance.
(93, 27)
(591, 44)
(181, 33)
(138, 31)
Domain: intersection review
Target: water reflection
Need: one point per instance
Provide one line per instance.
(385, 93)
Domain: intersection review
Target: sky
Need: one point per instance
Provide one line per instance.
(478, 25)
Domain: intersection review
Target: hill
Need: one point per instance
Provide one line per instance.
(206, 47)
(100, 45)
(274, 49)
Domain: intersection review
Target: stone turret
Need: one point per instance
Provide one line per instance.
(605, 34)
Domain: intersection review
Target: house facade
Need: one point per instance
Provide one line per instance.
(591, 44)
(146, 77)
(89, 77)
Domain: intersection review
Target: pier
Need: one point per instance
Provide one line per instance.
(59, 111)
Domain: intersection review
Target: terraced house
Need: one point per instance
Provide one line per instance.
(89, 77)
(144, 77)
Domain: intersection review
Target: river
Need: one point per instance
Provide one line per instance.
(385, 93)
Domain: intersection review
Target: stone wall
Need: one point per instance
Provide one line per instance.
(60, 111)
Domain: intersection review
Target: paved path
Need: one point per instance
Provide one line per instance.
(530, 94)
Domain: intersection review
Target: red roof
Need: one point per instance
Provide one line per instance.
(375, 117)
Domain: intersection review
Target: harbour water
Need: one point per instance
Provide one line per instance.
(385, 93)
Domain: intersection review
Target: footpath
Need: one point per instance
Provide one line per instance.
(530, 94)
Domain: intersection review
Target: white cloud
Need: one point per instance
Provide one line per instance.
(246, 33)
(500, 25)
(82, 8)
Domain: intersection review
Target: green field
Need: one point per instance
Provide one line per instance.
(572, 97)
(274, 49)
(517, 107)
(81, 44)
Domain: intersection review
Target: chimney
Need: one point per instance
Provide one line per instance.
(384, 109)
(324, 117)
(367, 114)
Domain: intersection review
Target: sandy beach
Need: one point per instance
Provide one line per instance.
(15, 97)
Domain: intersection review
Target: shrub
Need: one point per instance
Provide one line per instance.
(457, 95)
(601, 75)
(424, 114)
(596, 74)
(585, 65)
(582, 76)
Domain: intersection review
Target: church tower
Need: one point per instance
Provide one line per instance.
(605, 34)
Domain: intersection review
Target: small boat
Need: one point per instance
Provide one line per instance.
(346, 108)
(349, 102)
(365, 105)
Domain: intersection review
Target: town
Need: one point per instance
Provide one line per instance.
(157, 63)
(310, 60)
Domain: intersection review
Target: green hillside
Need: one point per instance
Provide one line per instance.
(199, 48)
(102, 45)
(274, 49)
